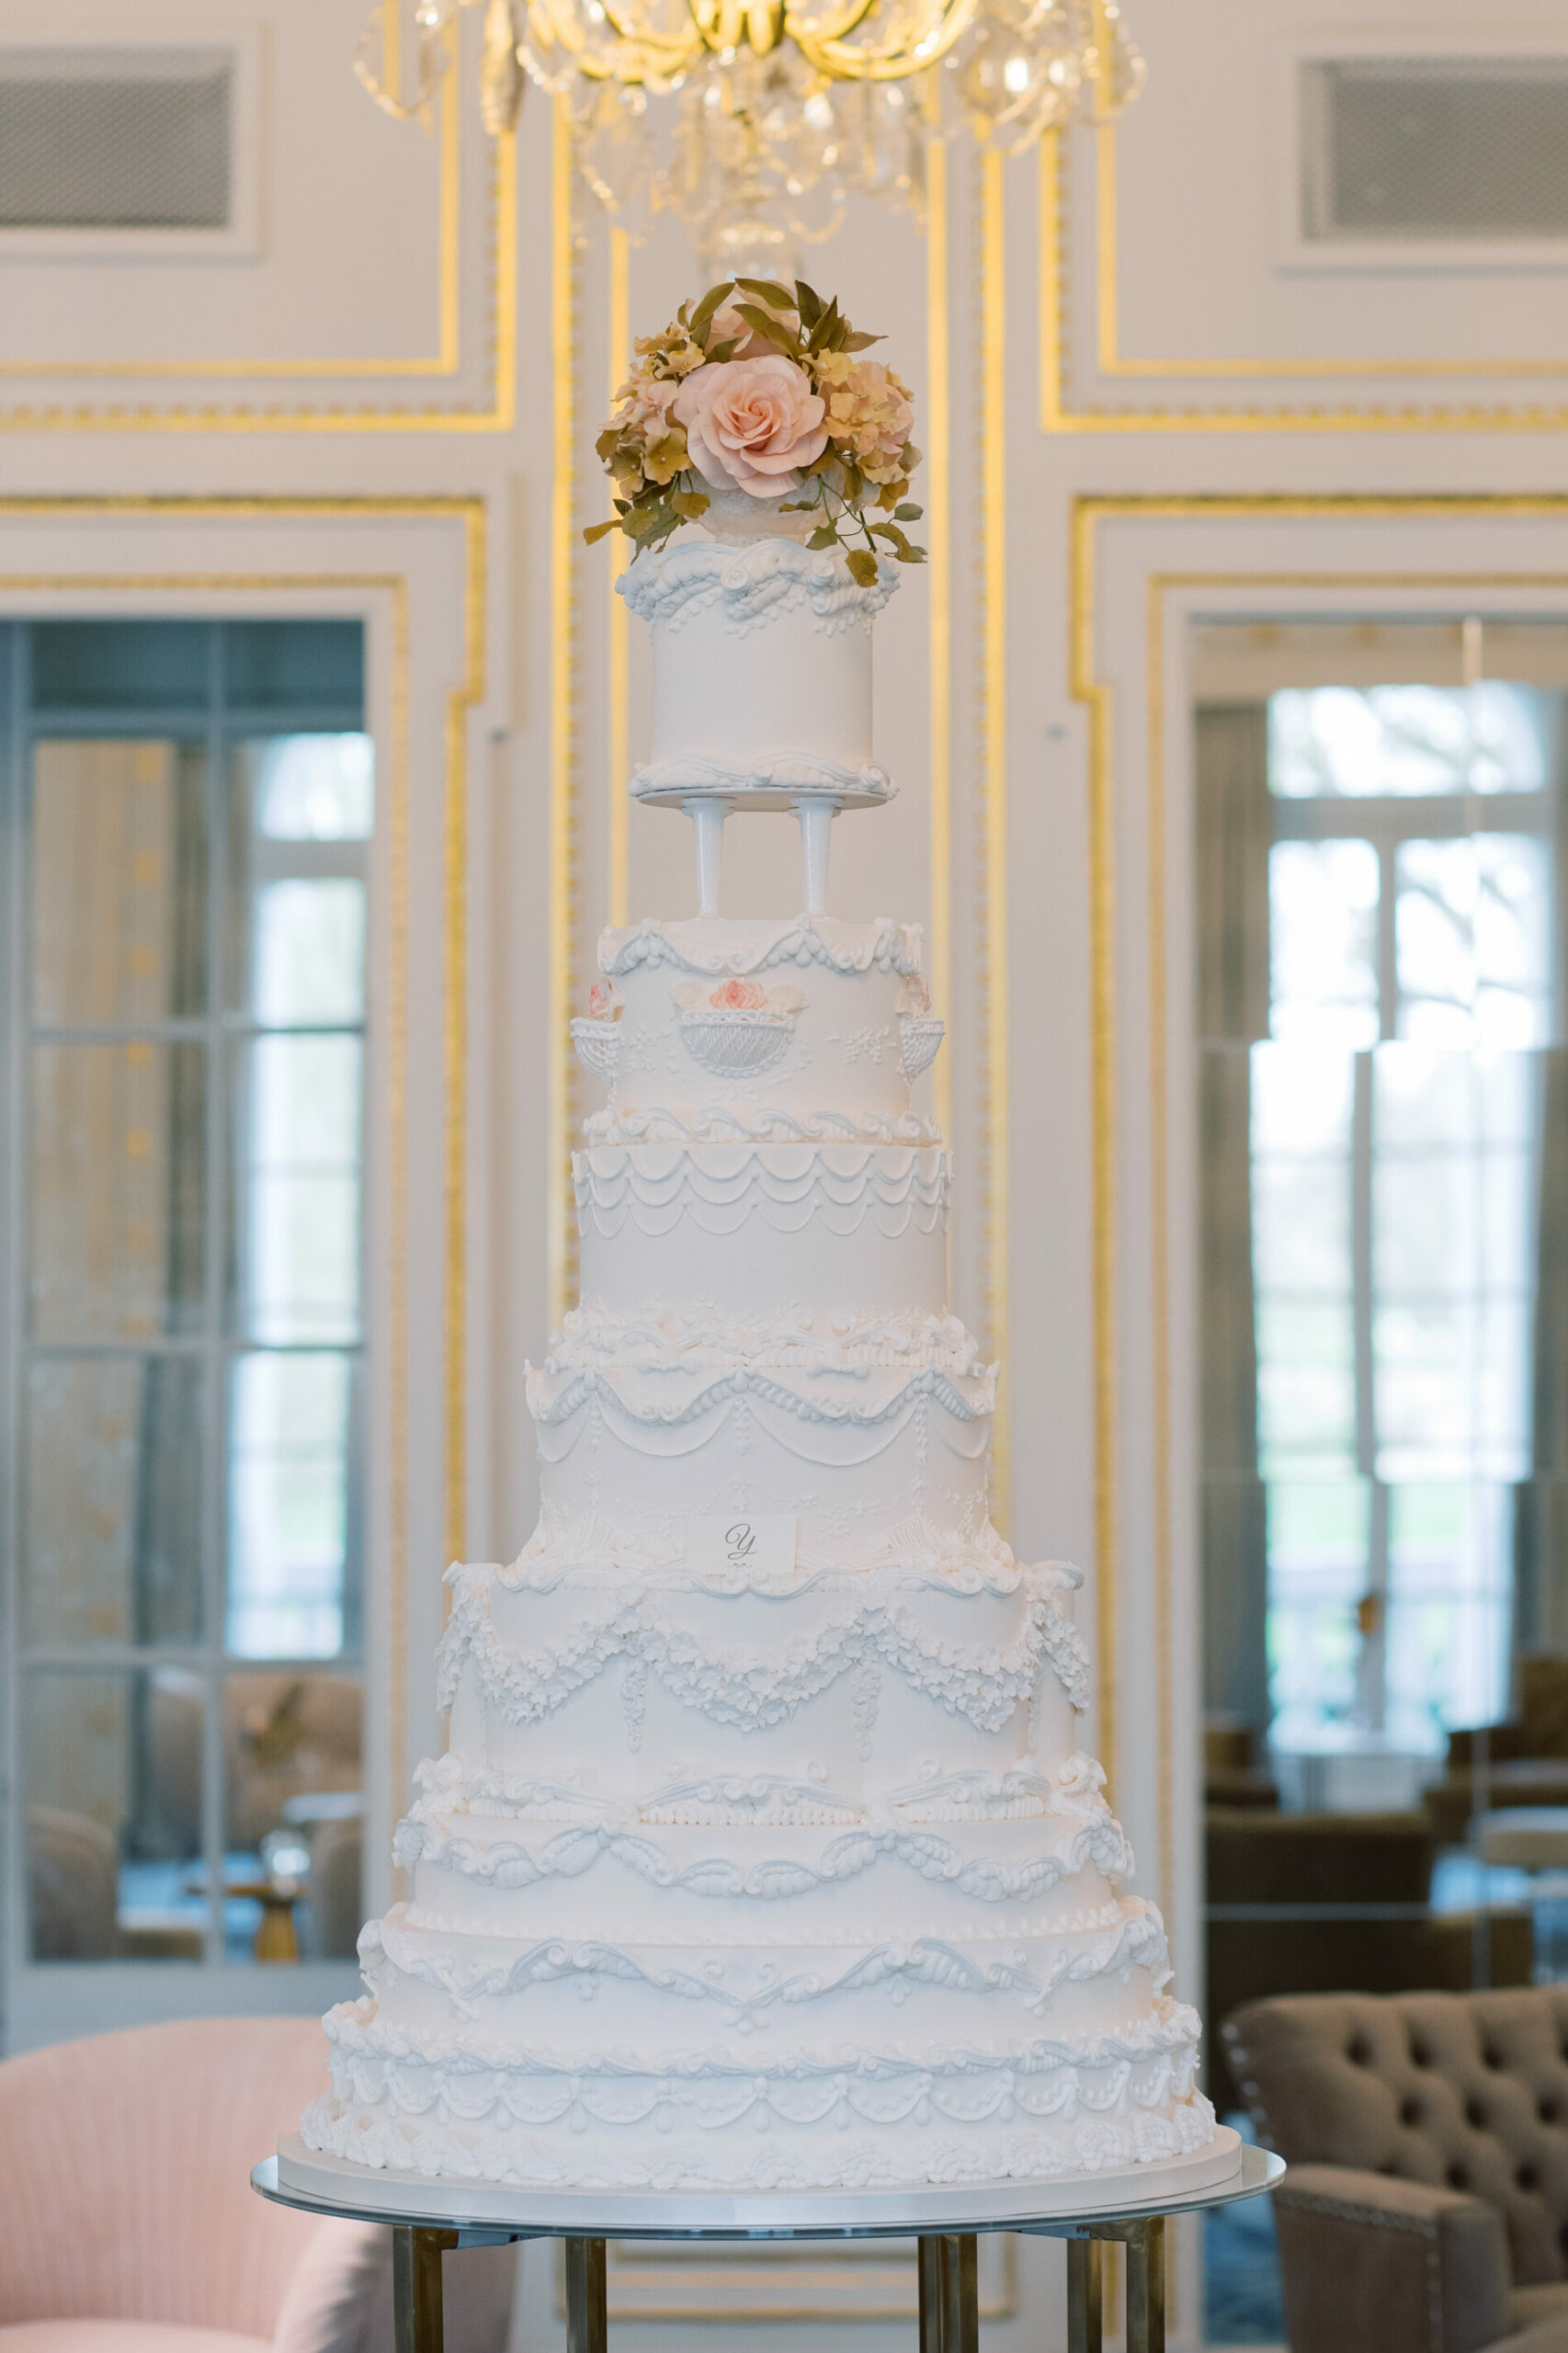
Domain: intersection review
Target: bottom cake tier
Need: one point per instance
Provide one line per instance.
(723, 2117)
(788, 1887)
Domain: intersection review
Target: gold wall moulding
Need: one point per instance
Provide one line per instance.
(1094, 692)
(494, 413)
(470, 513)
(566, 782)
(990, 359)
(1057, 416)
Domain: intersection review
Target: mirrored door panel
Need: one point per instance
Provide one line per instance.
(187, 810)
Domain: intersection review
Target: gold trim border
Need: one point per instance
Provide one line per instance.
(1057, 415)
(470, 512)
(447, 292)
(1094, 693)
(995, 1272)
(938, 535)
(186, 417)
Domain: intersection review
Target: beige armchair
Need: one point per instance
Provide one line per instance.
(1427, 2206)
(131, 2225)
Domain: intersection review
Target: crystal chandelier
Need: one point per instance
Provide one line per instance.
(755, 121)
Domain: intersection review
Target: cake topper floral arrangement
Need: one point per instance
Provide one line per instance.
(764, 391)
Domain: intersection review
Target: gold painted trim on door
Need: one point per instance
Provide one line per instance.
(561, 1254)
(996, 1275)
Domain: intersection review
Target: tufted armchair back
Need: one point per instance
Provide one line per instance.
(1467, 2092)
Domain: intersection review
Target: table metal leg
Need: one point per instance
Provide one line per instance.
(587, 2325)
(416, 2287)
(1086, 2273)
(1146, 2288)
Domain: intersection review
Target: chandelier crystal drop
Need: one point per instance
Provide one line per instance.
(755, 121)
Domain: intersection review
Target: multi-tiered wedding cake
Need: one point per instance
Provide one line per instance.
(763, 1852)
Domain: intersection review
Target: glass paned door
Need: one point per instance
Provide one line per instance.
(187, 814)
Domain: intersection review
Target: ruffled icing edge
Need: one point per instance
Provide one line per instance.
(750, 583)
(730, 1123)
(666, 1338)
(845, 948)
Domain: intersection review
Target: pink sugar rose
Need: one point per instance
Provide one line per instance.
(755, 423)
(738, 996)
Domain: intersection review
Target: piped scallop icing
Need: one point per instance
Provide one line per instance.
(767, 1851)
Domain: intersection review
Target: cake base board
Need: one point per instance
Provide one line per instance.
(1207, 2176)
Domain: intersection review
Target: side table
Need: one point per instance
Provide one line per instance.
(430, 2219)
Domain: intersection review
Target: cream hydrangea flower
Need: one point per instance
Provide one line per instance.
(868, 411)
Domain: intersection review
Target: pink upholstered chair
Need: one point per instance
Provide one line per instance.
(128, 2224)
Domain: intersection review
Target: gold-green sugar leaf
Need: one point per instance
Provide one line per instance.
(767, 291)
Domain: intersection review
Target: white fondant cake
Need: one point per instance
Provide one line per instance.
(783, 1867)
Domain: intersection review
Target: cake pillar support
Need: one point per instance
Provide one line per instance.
(1146, 2288)
(1143, 2236)
(816, 817)
(1085, 2275)
(416, 2287)
(949, 2293)
(708, 814)
(587, 2322)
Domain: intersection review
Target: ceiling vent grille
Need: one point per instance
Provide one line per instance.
(112, 138)
(1438, 149)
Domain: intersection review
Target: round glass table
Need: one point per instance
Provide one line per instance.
(429, 2217)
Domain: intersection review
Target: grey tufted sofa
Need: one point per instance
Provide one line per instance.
(1427, 2206)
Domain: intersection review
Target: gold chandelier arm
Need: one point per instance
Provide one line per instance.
(893, 60)
(827, 24)
(728, 24)
(620, 47)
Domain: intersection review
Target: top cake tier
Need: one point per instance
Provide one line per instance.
(762, 674)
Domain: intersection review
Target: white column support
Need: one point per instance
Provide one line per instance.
(708, 815)
(816, 817)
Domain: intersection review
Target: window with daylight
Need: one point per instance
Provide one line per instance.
(187, 811)
(1384, 1113)
(1396, 1177)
